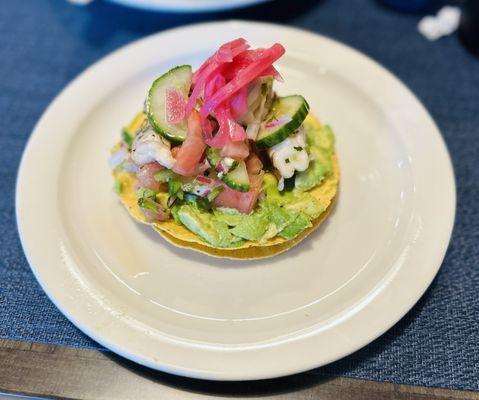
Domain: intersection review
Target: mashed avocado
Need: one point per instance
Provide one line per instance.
(231, 216)
(207, 226)
(321, 147)
(253, 226)
(284, 215)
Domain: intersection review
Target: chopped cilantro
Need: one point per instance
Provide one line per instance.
(175, 189)
(126, 137)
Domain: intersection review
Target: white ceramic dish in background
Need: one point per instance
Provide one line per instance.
(190, 314)
(182, 5)
(188, 5)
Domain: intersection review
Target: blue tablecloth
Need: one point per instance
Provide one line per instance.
(44, 44)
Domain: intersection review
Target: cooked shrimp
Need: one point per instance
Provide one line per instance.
(148, 146)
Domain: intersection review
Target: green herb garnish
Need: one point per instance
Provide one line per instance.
(175, 188)
(286, 161)
(298, 148)
(126, 137)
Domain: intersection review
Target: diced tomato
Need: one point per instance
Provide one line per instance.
(145, 176)
(192, 149)
(254, 164)
(256, 181)
(243, 202)
(236, 150)
(228, 198)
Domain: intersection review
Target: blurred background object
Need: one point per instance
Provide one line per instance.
(80, 2)
(409, 5)
(181, 5)
(469, 26)
(444, 23)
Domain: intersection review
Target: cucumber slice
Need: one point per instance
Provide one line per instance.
(238, 178)
(178, 78)
(292, 110)
(213, 156)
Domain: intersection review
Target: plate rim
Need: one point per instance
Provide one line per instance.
(234, 375)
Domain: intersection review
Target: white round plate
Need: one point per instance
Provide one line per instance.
(188, 5)
(190, 314)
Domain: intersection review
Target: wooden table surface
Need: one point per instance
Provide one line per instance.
(45, 371)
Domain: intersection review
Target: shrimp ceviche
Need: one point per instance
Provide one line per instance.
(221, 163)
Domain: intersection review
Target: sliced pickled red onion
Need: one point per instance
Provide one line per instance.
(226, 53)
(239, 103)
(204, 179)
(243, 77)
(222, 82)
(228, 129)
